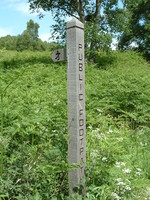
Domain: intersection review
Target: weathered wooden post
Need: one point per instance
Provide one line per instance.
(76, 105)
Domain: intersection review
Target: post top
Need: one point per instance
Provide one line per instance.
(75, 23)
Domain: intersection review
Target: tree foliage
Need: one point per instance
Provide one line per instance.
(91, 13)
(127, 19)
(32, 29)
(137, 30)
(8, 42)
(75, 8)
(29, 38)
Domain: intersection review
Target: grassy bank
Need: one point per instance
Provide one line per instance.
(33, 139)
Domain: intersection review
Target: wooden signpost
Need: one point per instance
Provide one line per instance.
(76, 103)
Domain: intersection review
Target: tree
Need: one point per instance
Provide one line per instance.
(32, 30)
(89, 12)
(137, 32)
(29, 40)
(8, 42)
(83, 10)
(24, 42)
(76, 8)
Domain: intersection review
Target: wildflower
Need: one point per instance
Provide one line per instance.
(138, 169)
(98, 136)
(115, 196)
(148, 189)
(123, 164)
(120, 164)
(141, 143)
(104, 159)
(96, 130)
(94, 153)
(138, 173)
(118, 179)
(121, 183)
(110, 131)
(126, 171)
(90, 127)
(127, 187)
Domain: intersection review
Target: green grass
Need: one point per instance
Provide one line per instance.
(34, 134)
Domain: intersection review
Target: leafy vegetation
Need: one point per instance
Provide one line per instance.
(33, 120)
(137, 25)
(126, 20)
(88, 12)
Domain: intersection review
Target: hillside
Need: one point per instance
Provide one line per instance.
(33, 119)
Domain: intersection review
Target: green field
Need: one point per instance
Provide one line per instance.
(33, 120)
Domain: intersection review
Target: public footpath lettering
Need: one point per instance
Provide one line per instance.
(81, 110)
(76, 106)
